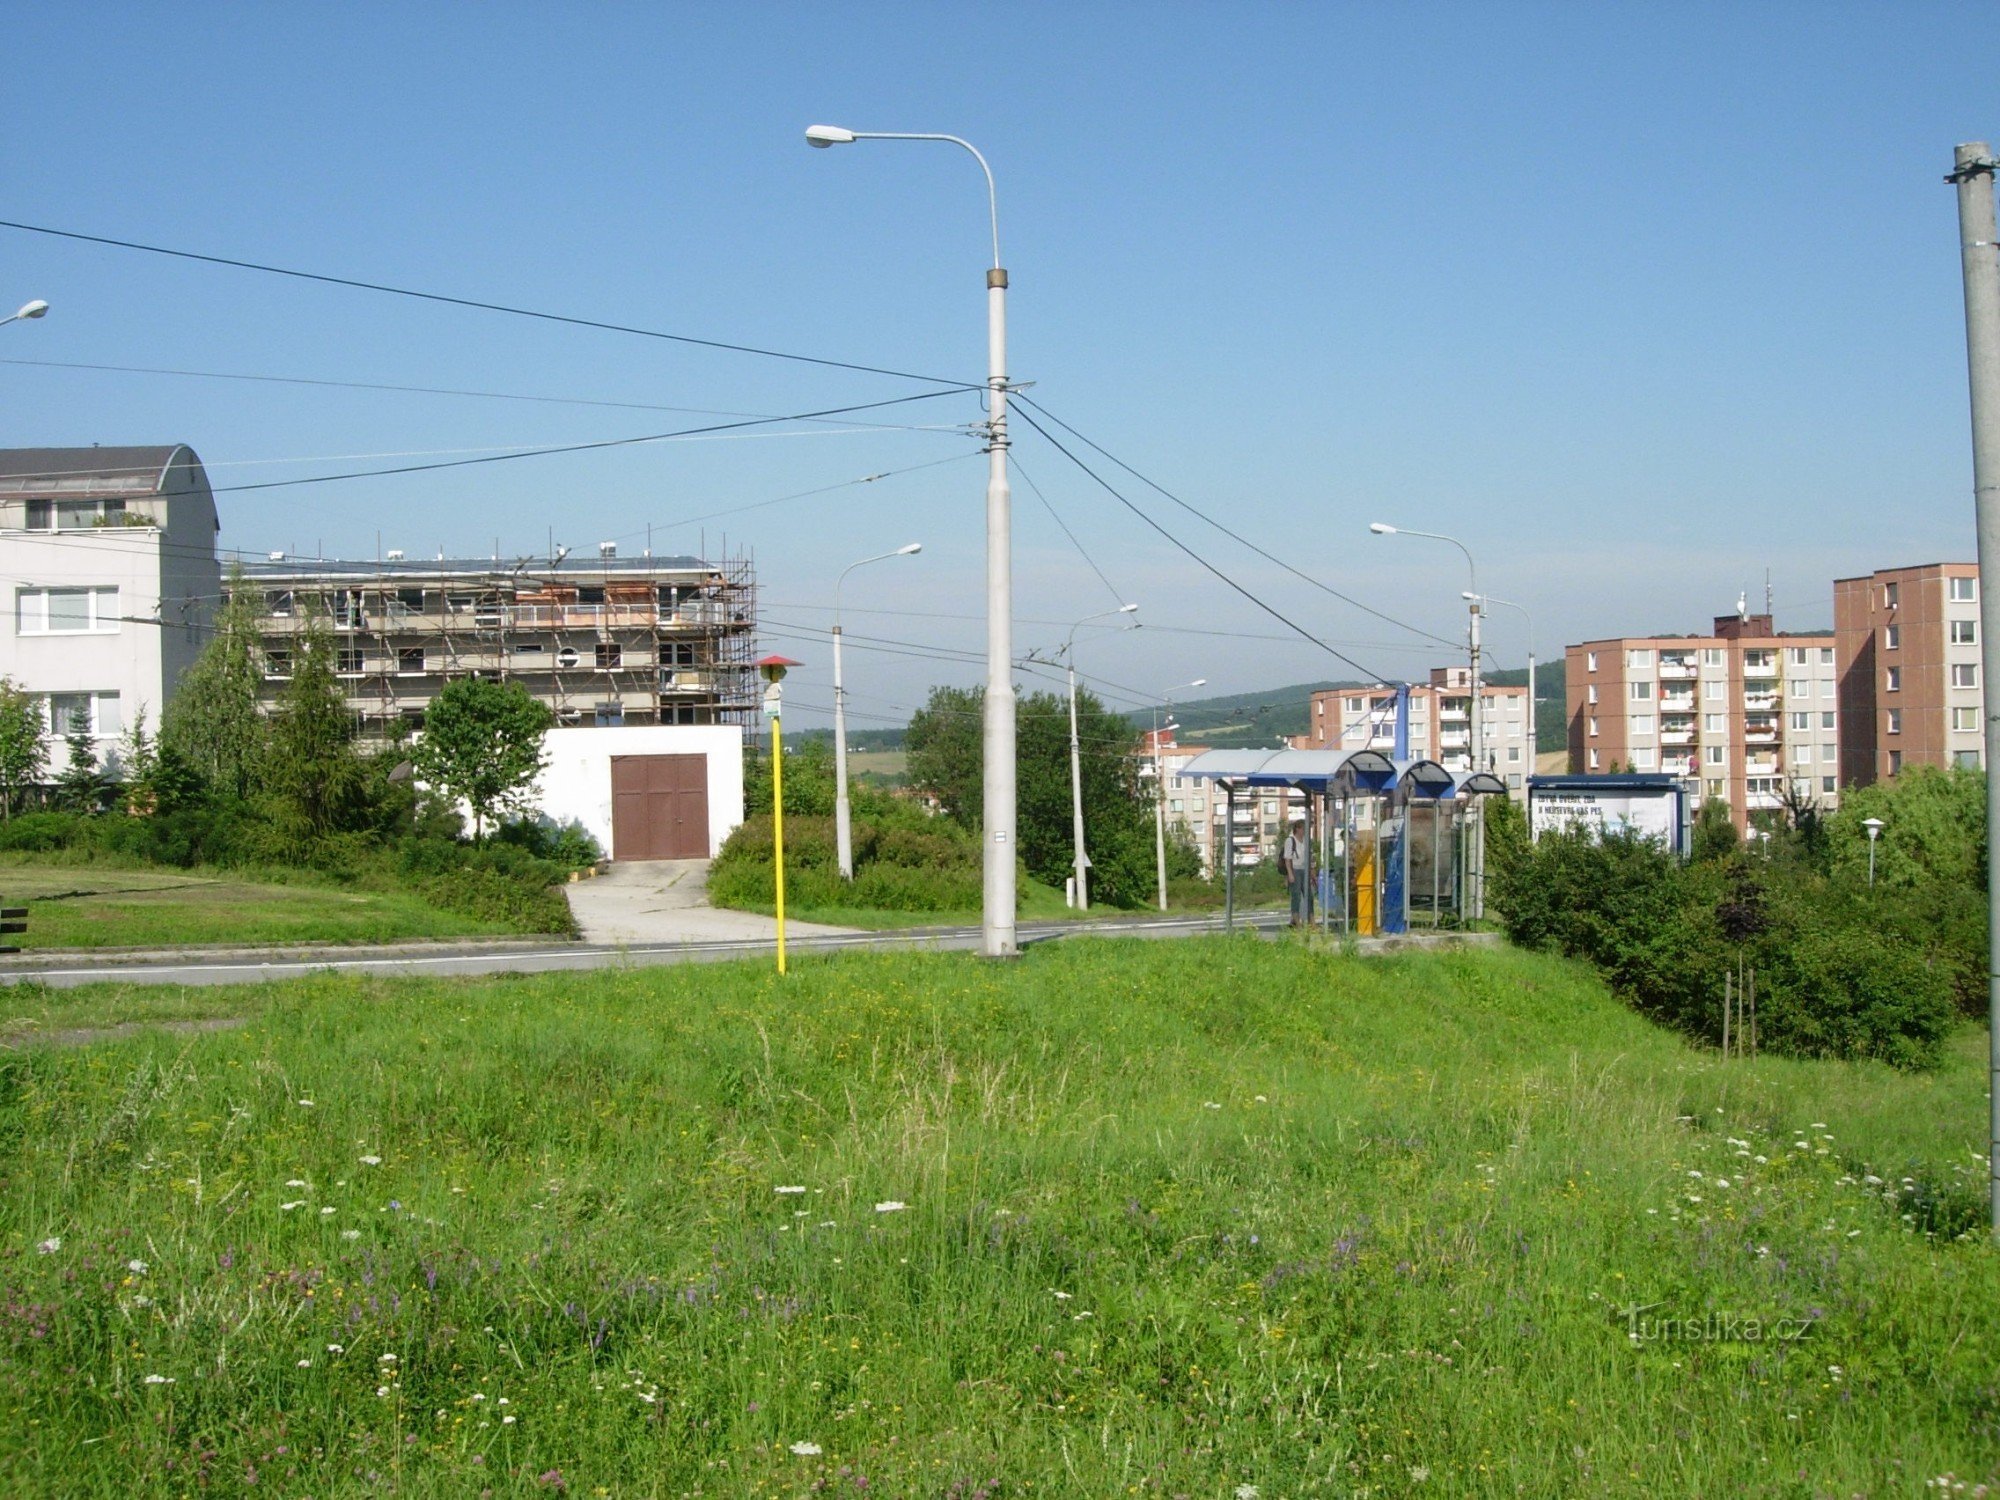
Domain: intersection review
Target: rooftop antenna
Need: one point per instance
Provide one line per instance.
(1767, 591)
(1743, 604)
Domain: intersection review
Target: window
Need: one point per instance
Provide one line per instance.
(1966, 758)
(1892, 680)
(1964, 674)
(66, 611)
(1715, 689)
(1965, 720)
(1319, 709)
(1593, 726)
(1796, 655)
(1714, 755)
(610, 654)
(1714, 723)
(1829, 753)
(1513, 755)
(1645, 760)
(93, 715)
(1964, 632)
(348, 662)
(1895, 718)
(278, 602)
(410, 659)
(1593, 760)
(1829, 784)
(1895, 762)
(1960, 590)
(1590, 661)
(1356, 705)
(1802, 687)
(1642, 690)
(1802, 722)
(610, 715)
(1892, 637)
(277, 663)
(1802, 755)
(1641, 724)
(1826, 721)
(1890, 592)
(1826, 656)
(1715, 788)
(1639, 657)
(1590, 693)
(1711, 656)
(74, 515)
(1761, 786)
(537, 650)
(1826, 687)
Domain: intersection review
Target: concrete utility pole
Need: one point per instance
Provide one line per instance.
(1973, 165)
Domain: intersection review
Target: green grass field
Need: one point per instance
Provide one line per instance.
(1203, 1218)
(96, 906)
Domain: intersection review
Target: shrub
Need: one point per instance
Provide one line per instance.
(42, 832)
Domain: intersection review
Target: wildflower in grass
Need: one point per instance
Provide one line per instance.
(336, 1349)
(381, 1390)
(371, 1161)
(158, 1380)
(295, 1203)
(350, 1234)
(1246, 1492)
(136, 1267)
(305, 1104)
(50, 1245)
(387, 1359)
(295, 1182)
(508, 1420)
(1059, 1296)
(806, 1450)
(1210, 1104)
(327, 1210)
(305, 1364)
(1418, 1473)
(788, 1190)
(891, 1207)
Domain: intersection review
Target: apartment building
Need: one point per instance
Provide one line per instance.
(109, 555)
(1440, 724)
(1906, 642)
(1197, 806)
(606, 641)
(1751, 713)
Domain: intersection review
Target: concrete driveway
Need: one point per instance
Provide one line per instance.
(637, 902)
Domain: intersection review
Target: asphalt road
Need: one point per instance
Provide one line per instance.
(68, 971)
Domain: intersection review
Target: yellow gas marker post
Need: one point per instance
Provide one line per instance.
(772, 669)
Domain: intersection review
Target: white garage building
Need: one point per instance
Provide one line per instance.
(658, 792)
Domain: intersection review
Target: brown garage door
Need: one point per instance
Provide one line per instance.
(659, 807)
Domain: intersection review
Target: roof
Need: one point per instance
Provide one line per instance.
(480, 567)
(89, 471)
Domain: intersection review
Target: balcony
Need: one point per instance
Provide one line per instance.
(1681, 701)
(1677, 765)
(1760, 765)
(1756, 664)
(1760, 702)
(1454, 739)
(1676, 666)
(1677, 734)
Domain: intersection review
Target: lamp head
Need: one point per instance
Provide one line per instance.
(1873, 825)
(910, 551)
(1127, 609)
(1381, 528)
(35, 309)
(1199, 682)
(823, 136)
(1470, 596)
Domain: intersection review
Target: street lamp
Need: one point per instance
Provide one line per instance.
(35, 309)
(997, 930)
(1160, 784)
(1534, 723)
(1874, 827)
(1075, 759)
(842, 815)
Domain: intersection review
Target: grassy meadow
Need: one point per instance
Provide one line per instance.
(73, 905)
(1206, 1218)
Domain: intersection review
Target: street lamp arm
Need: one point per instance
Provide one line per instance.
(1069, 642)
(833, 135)
(1471, 568)
(879, 557)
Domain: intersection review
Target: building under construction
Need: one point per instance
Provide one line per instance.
(604, 640)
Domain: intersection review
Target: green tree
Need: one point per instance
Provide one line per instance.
(1934, 830)
(212, 723)
(482, 745)
(1714, 831)
(80, 787)
(24, 744)
(138, 760)
(946, 752)
(310, 771)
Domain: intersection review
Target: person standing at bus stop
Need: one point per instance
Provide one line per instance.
(1297, 867)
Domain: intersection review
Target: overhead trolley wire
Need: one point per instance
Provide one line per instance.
(1226, 531)
(497, 307)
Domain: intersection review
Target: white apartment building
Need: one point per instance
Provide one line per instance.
(1198, 807)
(1356, 718)
(108, 560)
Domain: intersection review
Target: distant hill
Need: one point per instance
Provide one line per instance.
(1259, 718)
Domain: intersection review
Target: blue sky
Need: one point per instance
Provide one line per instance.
(1636, 301)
